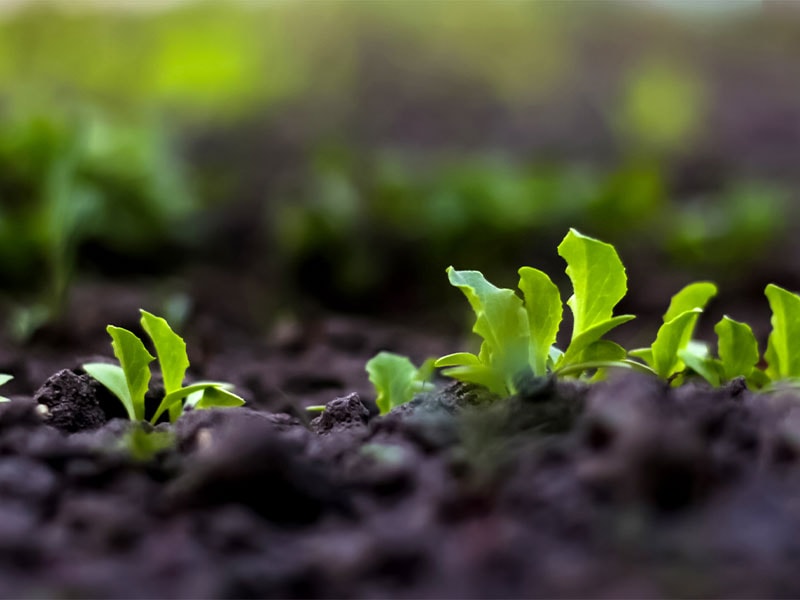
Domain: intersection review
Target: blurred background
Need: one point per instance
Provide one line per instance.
(274, 159)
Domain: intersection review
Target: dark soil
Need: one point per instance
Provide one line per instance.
(627, 488)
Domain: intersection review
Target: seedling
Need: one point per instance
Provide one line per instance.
(397, 380)
(519, 333)
(142, 445)
(673, 345)
(738, 349)
(519, 336)
(738, 355)
(4, 379)
(129, 381)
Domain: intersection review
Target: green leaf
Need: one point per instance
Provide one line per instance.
(4, 379)
(144, 445)
(589, 337)
(170, 349)
(604, 350)
(737, 348)
(113, 377)
(672, 337)
(694, 295)
(545, 311)
(218, 397)
(500, 320)
(578, 368)
(646, 354)
(783, 345)
(598, 280)
(675, 335)
(758, 379)
(483, 375)
(695, 356)
(457, 359)
(393, 377)
(134, 359)
(173, 399)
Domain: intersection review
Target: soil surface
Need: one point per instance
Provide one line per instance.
(627, 488)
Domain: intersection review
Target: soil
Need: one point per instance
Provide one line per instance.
(626, 488)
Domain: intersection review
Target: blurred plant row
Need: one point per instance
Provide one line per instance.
(359, 214)
(89, 172)
(73, 179)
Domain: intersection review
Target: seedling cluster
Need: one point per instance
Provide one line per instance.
(129, 381)
(518, 333)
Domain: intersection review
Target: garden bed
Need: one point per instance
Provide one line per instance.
(625, 488)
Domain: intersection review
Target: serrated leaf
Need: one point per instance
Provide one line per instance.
(170, 349)
(134, 359)
(737, 348)
(672, 337)
(545, 311)
(113, 378)
(782, 356)
(501, 321)
(392, 375)
(598, 279)
(694, 295)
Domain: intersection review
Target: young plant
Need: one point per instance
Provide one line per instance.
(397, 380)
(673, 346)
(783, 345)
(519, 336)
(129, 380)
(4, 379)
(738, 350)
(738, 356)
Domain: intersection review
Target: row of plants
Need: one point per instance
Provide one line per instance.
(76, 176)
(518, 334)
(367, 209)
(518, 348)
(129, 381)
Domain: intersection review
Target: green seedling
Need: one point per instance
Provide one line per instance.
(142, 445)
(519, 334)
(129, 380)
(738, 356)
(738, 350)
(397, 380)
(4, 379)
(673, 345)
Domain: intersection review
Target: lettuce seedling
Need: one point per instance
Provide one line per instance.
(673, 344)
(783, 345)
(397, 380)
(519, 334)
(4, 379)
(129, 380)
(738, 355)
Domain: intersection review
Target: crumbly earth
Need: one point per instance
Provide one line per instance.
(627, 488)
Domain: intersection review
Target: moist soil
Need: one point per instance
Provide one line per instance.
(625, 488)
